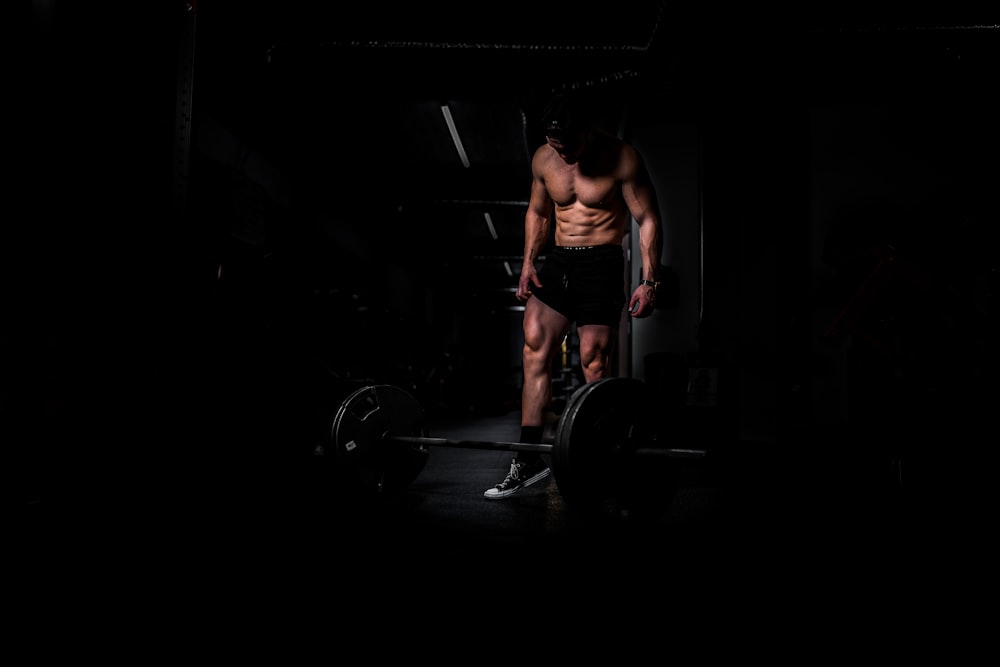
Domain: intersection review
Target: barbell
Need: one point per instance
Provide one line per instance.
(606, 455)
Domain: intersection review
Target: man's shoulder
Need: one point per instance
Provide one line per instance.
(543, 157)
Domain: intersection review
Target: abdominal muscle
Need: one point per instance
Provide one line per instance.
(581, 225)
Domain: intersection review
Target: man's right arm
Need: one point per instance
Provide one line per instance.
(537, 221)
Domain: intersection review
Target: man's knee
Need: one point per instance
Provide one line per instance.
(596, 370)
(595, 361)
(535, 351)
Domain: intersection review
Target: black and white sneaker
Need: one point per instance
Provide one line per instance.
(520, 475)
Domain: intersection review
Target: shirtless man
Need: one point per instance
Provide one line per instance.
(589, 183)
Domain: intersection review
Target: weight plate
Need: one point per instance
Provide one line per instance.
(594, 458)
(358, 433)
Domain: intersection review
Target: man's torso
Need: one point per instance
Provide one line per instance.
(589, 208)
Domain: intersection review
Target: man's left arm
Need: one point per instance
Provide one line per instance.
(640, 196)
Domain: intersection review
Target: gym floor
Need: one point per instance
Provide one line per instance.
(746, 523)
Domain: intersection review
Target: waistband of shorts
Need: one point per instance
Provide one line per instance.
(587, 249)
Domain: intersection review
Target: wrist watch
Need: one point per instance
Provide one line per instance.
(651, 283)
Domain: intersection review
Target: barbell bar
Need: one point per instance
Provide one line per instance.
(541, 448)
(601, 456)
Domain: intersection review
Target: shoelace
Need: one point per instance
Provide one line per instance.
(512, 475)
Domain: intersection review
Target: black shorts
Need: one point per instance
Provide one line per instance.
(586, 285)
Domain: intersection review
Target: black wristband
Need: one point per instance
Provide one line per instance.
(651, 283)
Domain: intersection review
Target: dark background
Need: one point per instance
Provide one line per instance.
(224, 217)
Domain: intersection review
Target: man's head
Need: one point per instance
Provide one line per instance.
(563, 126)
(559, 116)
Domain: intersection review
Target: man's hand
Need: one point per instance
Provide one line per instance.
(528, 278)
(642, 302)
